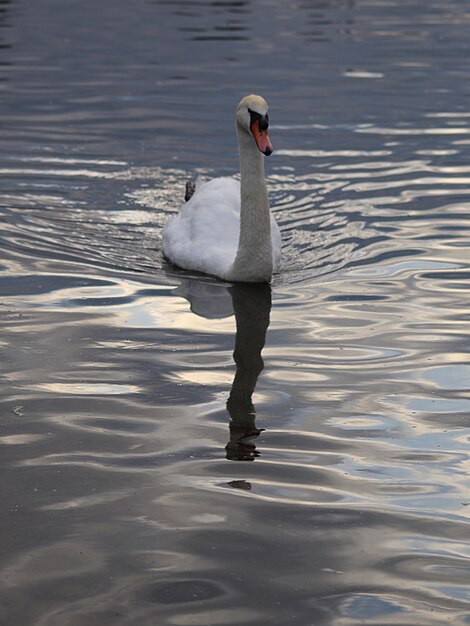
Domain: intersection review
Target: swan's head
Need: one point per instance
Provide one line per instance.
(252, 117)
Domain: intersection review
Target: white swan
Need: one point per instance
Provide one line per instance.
(226, 228)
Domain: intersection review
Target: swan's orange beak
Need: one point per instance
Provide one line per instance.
(261, 137)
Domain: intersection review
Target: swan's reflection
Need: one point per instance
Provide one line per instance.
(251, 304)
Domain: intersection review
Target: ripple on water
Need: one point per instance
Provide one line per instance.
(328, 222)
(122, 498)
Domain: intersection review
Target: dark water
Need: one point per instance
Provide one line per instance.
(139, 487)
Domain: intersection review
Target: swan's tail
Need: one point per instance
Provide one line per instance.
(190, 189)
(191, 185)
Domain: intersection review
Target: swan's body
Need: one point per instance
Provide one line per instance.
(226, 228)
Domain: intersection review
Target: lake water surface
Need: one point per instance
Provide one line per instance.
(157, 469)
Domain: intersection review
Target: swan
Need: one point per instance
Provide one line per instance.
(226, 228)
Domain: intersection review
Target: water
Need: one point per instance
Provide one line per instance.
(321, 478)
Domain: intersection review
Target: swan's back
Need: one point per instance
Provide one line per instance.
(204, 235)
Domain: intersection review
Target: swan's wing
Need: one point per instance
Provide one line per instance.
(204, 235)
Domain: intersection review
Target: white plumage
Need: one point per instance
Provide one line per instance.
(226, 229)
(204, 236)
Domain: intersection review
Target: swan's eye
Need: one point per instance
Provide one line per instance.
(263, 120)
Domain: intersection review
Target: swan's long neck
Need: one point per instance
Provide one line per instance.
(254, 259)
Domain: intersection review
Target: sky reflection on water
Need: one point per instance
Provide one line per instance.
(135, 392)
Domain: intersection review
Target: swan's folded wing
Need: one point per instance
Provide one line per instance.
(204, 235)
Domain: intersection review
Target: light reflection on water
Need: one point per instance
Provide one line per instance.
(135, 392)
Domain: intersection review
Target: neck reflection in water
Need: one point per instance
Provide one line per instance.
(251, 304)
